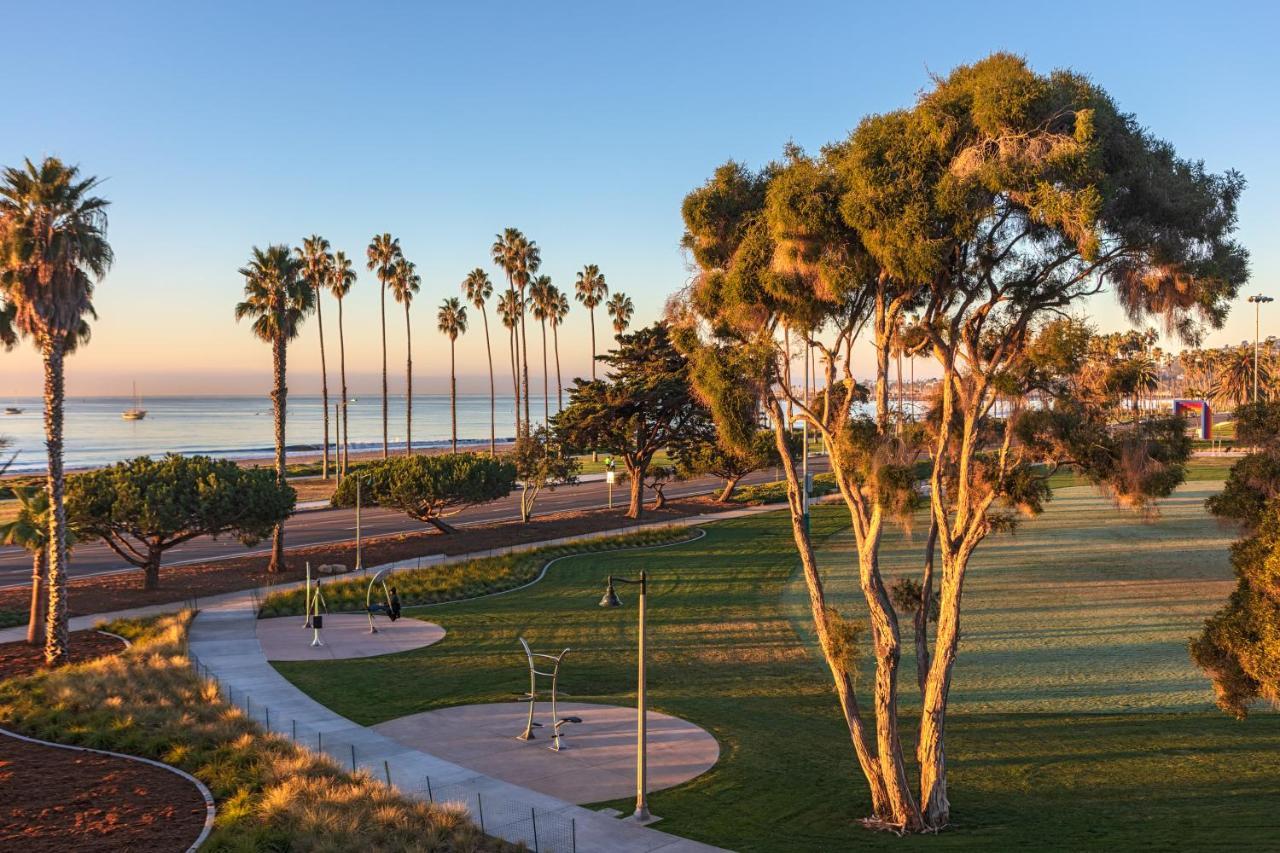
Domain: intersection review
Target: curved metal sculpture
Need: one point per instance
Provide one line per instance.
(386, 607)
(532, 696)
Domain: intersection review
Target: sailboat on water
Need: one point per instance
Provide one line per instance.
(136, 413)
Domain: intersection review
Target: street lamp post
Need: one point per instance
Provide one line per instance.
(610, 599)
(359, 557)
(1258, 301)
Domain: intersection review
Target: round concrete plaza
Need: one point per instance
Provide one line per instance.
(597, 760)
(345, 635)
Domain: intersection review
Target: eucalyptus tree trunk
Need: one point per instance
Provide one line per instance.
(39, 581)
(56, 621)
(279, 394)
(730, 483)
(493, 410)
(324, 389)
(926, 604)
(342, 365)
(863, 746)
(555, 341)
(385, 445)
(408, 372)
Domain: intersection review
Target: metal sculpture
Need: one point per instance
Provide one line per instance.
(390, 604)
(532, 696)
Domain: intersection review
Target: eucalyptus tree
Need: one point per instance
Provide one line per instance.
(451, 320)
(559, 310)
(621, 309)
(405, 283)
(542, 299)
(995, 204)
(477, 288)
(316, 268)
(508, 310)
(591, 289)
(342, 274)
(8, 334)
(53, 250)
(277, 300)
(382, 254)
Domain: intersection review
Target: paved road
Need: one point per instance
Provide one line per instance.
(338, 525)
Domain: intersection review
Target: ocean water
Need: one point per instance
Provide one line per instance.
(239, 427)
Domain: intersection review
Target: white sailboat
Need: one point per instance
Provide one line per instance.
(136, 413)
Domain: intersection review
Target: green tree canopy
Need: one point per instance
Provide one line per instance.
(641, 406)
(542, 462)
(142, 507)
(429, 488)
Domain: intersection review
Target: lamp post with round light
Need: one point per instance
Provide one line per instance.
(610, 599)
(1258, 301)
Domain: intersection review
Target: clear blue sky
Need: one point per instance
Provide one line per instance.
(227, 125)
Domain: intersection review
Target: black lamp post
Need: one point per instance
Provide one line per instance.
(610, 599)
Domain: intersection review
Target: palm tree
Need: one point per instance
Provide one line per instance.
(29, 530)
(405, 282)
(504, 251)
(542, 298)
(383, 252)
(277, 300)
(528, 260)
(314, 263)
(1233, 380)
(559, 311)
(591, 289)
(451, 320)
(507, 310)
(620, 309)
(477, 288)
(53, 248)
(342, 274)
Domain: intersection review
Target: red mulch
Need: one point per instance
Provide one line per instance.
(107, 593)
(18, 658)
(54, 800)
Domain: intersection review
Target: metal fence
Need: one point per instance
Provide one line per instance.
(541, 830)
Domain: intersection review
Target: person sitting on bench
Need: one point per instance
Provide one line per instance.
(395, 605)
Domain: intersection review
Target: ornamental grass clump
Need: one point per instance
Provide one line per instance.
(270, 793)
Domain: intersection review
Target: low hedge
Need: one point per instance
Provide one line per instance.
(436, 584)
(772, 493)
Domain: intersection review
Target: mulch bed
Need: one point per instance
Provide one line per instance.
(18, 658)
(57, 800)
(107, 593)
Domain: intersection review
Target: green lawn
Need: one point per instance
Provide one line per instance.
(1079, 722)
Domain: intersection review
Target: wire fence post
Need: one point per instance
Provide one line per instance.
(533, 816)
(480, 806)
(319, 741)
(386, 767)
(573, 833)
(353, 758)
(294, 733)
(431, 797)
(267, 710)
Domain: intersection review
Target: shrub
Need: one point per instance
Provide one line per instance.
(456, 581)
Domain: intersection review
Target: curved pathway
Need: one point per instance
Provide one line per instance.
(224, 645)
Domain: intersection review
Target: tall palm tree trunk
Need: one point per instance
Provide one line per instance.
(385, 446)
(324, 391)
(515, 375)
(39, 595)
(56, 623)
(555, 341)
(453, 393)
(546, 393)
(524, 362)
(279, 394)
(342, 369)
(408, 372)
(493, 410)
(591, 312)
